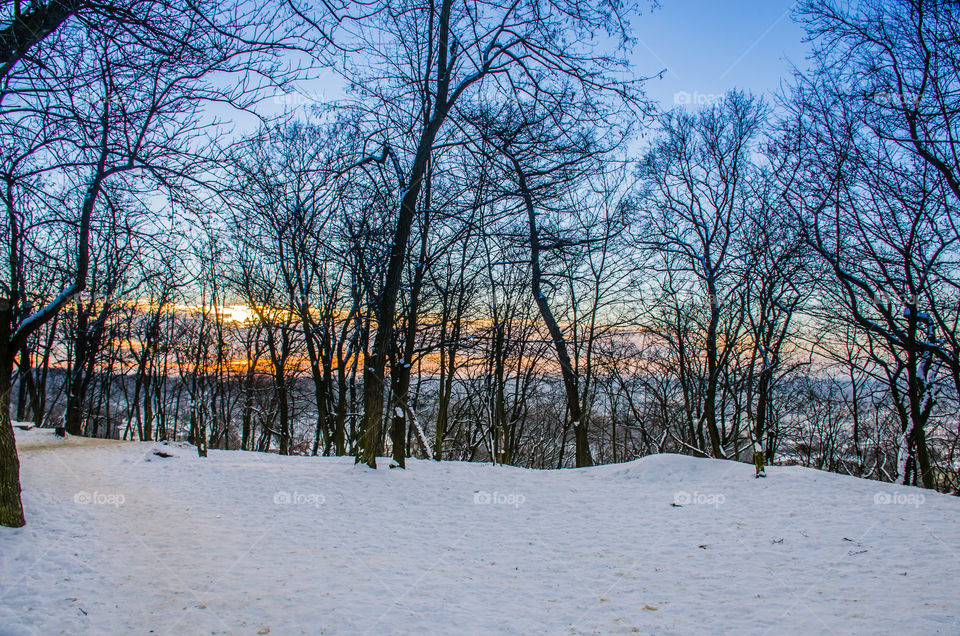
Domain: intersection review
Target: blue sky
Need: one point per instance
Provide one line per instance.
(706, 46)
(709, 47)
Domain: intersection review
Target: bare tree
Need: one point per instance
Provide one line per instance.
(694, 181)
(78, 113)
(437, 53)
(777, 284)
(872, 181)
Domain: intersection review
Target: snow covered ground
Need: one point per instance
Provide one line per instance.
(119, 539)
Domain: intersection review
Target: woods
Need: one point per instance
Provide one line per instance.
(494, 248)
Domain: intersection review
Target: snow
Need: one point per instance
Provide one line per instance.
(119, 538)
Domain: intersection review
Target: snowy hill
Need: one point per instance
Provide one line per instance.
(120, 538)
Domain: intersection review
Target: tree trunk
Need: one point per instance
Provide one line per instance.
(284, 412)
(147, 410)
(40, 397)
(376, 363)
(501, 443)
(321, 380)
(401, 372)
(440, 429)
(73, 417)
(340, 423)
(247, 414)
(710, 399)
(11, 507)
(570, 381)
(198, 428)
(760, 428)
(27, 388)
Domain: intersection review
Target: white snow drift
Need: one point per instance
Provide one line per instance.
(120, 538)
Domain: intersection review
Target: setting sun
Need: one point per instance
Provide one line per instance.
(237, 313)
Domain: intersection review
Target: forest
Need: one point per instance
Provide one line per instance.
(488, 244)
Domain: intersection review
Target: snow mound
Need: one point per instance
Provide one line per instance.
(47, 439)
(671, 468)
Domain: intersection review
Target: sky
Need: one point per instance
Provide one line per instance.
(704, 48)
(711, 46)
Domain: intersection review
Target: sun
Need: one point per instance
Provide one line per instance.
(237, 313)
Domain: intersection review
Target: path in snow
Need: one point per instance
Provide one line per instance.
(121, 539)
